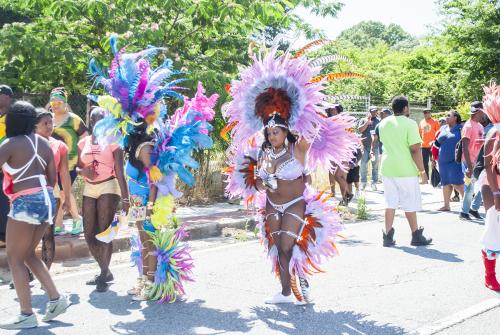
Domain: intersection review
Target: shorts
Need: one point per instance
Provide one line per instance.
(353, 175)
(94, 191)
(32, 209)
(402, 192)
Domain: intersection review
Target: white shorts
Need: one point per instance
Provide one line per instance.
(402, 192)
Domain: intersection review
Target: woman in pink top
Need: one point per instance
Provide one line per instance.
(44, 128)
(105, 184)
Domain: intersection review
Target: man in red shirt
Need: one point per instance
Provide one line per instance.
(472, 136)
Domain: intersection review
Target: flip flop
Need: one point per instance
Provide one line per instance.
(442, 209)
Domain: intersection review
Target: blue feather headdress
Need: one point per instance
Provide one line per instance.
(136, 92)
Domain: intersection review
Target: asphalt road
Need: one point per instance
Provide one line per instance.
(367, 290)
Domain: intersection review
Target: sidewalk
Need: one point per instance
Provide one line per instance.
(201, 222)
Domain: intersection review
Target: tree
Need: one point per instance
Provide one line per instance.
(367, 34)
(472, 30)
(206, 38)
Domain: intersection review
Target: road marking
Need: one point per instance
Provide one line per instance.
(458, 317)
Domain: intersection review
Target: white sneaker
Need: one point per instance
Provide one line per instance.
(21, 322)
(279, 298)
(374, 187)
(56, 308)
(363, 186)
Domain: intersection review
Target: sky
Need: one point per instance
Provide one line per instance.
(413, 15)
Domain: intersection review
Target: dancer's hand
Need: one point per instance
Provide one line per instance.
(125, 206)
(423, 178)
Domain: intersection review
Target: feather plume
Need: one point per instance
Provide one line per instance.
(330, 59)
(337, 76)
(310, 45)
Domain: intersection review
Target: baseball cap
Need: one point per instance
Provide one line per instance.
(373, 109)
(386, 111)
(476, 106)
(427, 110)
(4, 89)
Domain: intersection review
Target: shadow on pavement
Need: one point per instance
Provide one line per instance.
(190, 318)
(352, 242)
(115, 304)
(295, 320)
(431, 254)
(45, 328)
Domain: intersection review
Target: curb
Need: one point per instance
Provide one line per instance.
(73, 248)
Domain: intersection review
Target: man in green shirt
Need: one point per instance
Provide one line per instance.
(402, 163)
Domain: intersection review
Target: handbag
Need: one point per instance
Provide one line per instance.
(435, 177)
(458, 151)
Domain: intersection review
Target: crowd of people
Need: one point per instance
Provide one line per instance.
(281, 130)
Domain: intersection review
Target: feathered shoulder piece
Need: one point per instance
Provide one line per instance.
(180, 135)
(491, 102)
(135, 89)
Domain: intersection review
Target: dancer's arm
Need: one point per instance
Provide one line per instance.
(5, 151)
(85, 171)
(51, 171)
(65, 180)
(491, 173)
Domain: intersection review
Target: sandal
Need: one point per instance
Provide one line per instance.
(444, 209)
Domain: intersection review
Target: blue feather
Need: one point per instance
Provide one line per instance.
(95, 69)
(113, 42)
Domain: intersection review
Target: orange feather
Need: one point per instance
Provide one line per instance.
(337, 76)
(309, 46)
(225, 131)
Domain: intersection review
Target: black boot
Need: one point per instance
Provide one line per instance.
(419, 239)
(389, 238)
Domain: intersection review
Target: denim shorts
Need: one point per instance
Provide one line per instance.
(32, 209)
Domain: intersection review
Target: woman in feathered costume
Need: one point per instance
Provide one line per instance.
(159, 149)
(283, 95)
(491, 187)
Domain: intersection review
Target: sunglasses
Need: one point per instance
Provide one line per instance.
(56, 102)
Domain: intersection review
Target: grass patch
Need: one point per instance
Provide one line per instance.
(362, 211)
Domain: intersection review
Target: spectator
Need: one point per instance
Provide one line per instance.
(6, 98)
(442, 121)
(367, 130)
(338, 176)
(69, 128)
(472, 135)
(401, 165)
(353, 176)
(376, 137)
(435, 157)
(450, 171)
(428, 128)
